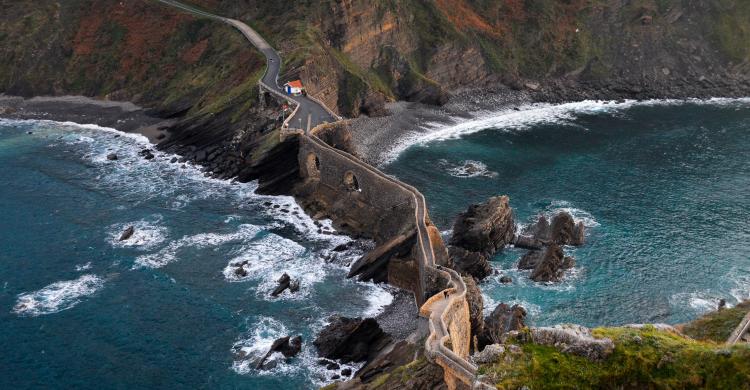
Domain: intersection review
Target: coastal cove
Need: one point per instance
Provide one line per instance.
(660, 185)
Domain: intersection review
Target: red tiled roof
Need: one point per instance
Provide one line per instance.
(295, 84)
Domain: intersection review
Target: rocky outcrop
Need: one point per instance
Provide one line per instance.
(466, 262)
(287, 346)
(562, 231)
(489, 354)
(546, 257)
(285, 282)
(548, 265)
(476, 306)
(127, 233)
(502, 320)
(486, 227)
(574, 339)
(351, 339)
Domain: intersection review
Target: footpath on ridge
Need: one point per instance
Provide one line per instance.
(309, 114)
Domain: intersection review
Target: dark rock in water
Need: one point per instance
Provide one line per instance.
(29, 132)
(551, 267)
(112, 157)
(564, 230)
(501, 321)
(486, 227)
(506, 280)
(174, 160)
(240, 271)
(335, 377)
(475, 264)
(351, 339)
(340, 248)
(531, 259)
(346, 372)
(476, 306)
(287, 346)
(294, 285)
(284, 282)
(528, 242)
(332, 366)
(127, 233)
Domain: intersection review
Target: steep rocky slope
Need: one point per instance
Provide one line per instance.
(355, 54)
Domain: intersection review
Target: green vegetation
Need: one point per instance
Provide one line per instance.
(717, 326)
(643, 358)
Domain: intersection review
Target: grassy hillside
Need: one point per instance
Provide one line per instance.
(642, 359)
(134, 50)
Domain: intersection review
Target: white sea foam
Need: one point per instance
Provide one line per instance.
(146, 235)
(57, 296)
(467, 168)
(578, 215)
(168, 254)
(700, 301)
(531, 115)
(378, 298)
(83, 267)
(259, 340)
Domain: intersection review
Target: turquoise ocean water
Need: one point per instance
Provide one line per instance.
(79, 309)
(663, 187)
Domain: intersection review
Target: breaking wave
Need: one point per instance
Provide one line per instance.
(57, 296)
(530, 115)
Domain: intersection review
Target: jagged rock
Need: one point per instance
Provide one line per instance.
(476, 305)
(531, 259)
(346, 372)
(506, 279)
(485, 227)
(489, 354)
(564, 230)
(552, 265)
(350, 339)
(284, 282)
(127, 233)
(574, 339)
(287, 346)
(475, 264)
(502, 320)
(294, 285)
(112, 157)
(240, 271)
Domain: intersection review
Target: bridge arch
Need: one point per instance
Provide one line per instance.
(312, 165)
(350, 182)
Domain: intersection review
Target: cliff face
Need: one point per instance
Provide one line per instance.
(354, 54)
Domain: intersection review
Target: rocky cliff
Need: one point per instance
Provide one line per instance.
(354, 54)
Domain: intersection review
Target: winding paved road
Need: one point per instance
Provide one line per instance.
(307, 107)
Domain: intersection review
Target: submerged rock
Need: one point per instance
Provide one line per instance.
(351, 339)
(485, 227)
(127, 233)
(112, 157)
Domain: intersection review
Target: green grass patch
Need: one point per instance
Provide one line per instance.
(643, 358)
(717, 326)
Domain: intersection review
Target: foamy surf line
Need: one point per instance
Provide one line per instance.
(57, 296)
(529, 115)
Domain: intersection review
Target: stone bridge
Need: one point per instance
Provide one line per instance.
(409, 252)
